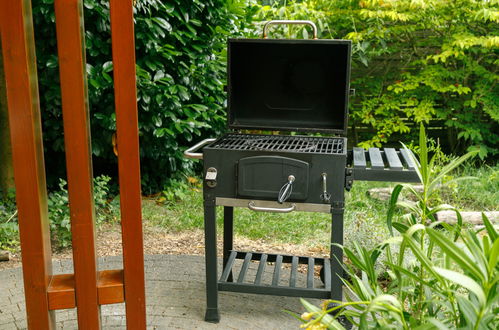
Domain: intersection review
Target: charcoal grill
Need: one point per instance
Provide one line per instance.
(285, 85)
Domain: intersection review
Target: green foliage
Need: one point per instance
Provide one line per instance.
(180, 52)
(413, 61)
(59, 213)
(467, 192)
(178, 190)
(9, 229)
(439, 276)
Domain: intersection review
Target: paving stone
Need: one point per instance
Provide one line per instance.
(21, 324)
(9, 308)
(6, 318)
(175, 299)
(9, 326)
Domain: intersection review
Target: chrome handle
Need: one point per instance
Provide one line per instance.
(325, 196)
(189, 153)
(310, 23)
(286, 190)
(252, 206)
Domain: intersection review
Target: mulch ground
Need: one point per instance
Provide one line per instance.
(158, 241)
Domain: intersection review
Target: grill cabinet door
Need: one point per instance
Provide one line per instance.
(263, 177)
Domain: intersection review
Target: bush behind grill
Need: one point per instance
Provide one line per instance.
(180, 74)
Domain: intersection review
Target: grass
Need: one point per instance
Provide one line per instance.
(365, 217)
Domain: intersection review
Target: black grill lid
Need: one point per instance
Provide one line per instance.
(293, 85)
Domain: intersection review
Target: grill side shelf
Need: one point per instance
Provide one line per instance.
(388, 164)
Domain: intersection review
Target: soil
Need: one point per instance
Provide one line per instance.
(158, 241)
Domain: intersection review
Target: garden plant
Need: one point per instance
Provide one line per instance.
(437, 276)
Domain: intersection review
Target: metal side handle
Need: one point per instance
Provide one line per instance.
(190, 153)
(252, 206)
(310, 23)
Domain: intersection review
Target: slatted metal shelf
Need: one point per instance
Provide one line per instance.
(388, 164)
(245, 282)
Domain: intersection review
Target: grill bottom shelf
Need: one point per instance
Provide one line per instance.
(263, 273)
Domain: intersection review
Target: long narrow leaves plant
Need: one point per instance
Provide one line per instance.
(437, 275)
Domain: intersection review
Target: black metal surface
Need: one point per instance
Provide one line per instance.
(294, 85)
(280, 143)
(210, 234)
(264, 182)
(250, 283)
(264, 176)
(286, 85)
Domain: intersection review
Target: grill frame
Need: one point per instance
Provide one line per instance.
(220, 188)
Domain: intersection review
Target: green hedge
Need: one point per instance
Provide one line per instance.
(180, 51)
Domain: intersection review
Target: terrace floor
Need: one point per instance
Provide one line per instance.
(175, 299)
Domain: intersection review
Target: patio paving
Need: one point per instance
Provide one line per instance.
(175, 299)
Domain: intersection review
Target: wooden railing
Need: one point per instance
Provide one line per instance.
(87, 289)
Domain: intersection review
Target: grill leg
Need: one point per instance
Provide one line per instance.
(336, 252)
(228, 235)
(210, 237)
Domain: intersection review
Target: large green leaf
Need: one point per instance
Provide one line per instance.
(455, 252)
(468, 310)
(464, 281)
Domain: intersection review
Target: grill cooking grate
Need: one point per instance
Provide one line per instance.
(299, 144)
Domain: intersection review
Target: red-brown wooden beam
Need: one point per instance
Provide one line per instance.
(71, 50)
(61, 292)
(16, 26)
(125, 94)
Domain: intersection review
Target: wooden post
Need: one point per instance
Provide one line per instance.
(71, 49)
(125, 95)
(18, 46)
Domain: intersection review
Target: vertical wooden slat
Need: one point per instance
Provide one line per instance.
(16, 26)
(123, 46)
(71, 50)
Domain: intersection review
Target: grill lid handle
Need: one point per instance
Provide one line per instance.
(297, 22)
(190, 153)
(252, 206)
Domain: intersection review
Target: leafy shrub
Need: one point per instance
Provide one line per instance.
(180, 52)
(413, 61)
(9, 229)
(179, 189)
(59, 214)
(442, 276)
